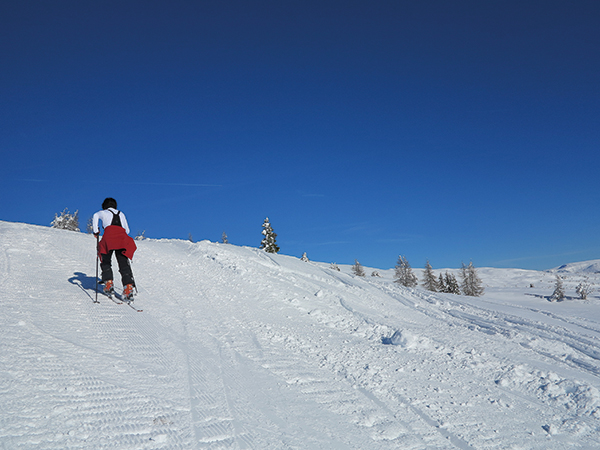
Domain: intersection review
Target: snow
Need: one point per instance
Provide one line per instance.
(580, 267)
(240, 349)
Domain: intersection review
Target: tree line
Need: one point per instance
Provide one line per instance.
(470, 284)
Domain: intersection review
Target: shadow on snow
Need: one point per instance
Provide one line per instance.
(85, 283)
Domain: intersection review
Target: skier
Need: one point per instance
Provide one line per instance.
(115, 240)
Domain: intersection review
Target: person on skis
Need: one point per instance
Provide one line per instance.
(115, 240)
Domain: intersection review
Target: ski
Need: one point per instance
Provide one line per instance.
(116, 300)
(128, 298)
(112, 296)
(133, 307)
(121, 302)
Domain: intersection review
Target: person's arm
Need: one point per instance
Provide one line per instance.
(124, 222)
(95, 227)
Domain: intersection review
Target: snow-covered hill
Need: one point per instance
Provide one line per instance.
(237, 348)
(584, 267)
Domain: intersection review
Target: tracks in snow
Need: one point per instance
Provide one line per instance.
(257, 383)
(302, 371)
(580, 349)
(235, 351)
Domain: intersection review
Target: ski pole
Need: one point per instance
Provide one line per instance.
(134, 283)
(96, 301)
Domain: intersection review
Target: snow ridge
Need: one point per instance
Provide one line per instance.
(237, 348)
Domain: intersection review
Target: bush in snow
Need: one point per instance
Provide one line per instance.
(334, 266)
(140, 236)
(429, 281)
(404, 274)
(268, 242)
(66, 221)
(304, 257)
(471, 283)
(559, 291)
(375, 274)
(357, 269)
(584, 289)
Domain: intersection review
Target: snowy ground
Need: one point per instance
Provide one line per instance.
(236, 348)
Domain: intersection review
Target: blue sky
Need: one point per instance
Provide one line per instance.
(448, 131)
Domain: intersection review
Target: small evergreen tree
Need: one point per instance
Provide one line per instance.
(335, 267)
(464, 277)
(404, 274)
(429, 281)
(452, 286)
(304, 257)
(441, 285)
(357, 269)
(471, 283)
(268, 242)
(559, 291)
(190, 238)
(66, 221)
(584, 289)
(89, 227)
(375, 274)
(224, 238)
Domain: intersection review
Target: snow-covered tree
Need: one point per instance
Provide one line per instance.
(66, 221)
(140, 236)
(357, 269)
(375, 274)
(559, 291)
(89, 227)
(404, 274)
(471, 283)
(268, 242)
(451, 284)
(429, 281)
(334, 266)
(304, 257)
(224, 238)
(584, 289)
(190, 238)
(441, 284)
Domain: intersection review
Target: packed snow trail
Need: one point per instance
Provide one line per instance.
(239, 349)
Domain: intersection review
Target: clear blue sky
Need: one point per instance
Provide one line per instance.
(448, 131)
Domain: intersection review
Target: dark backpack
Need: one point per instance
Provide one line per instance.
(116, 220)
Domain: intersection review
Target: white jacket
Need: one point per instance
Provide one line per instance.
(106, 217)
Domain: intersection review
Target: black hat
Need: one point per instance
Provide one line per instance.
(109, 203)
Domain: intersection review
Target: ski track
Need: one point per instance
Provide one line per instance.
(581, 349)
(237, 349)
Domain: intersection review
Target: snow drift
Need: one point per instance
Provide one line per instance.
(237, 348)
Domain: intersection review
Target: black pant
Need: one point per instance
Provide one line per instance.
(124, 267)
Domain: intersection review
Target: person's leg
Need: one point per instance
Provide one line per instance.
(124, 268)
(105, 265)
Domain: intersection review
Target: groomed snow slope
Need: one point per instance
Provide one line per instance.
(240, 349)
